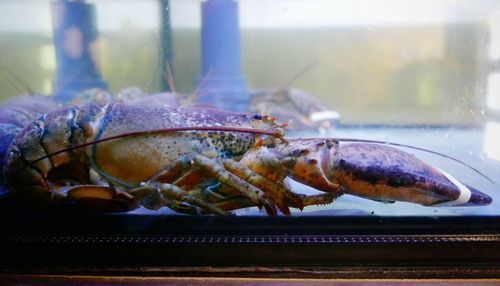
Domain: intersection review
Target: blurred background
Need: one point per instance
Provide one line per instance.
(375, 62)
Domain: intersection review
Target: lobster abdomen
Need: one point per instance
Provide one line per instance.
(29, 171)
(14, 116)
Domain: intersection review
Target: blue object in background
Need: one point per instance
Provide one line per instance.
(221, 83)
(165, 44)
(75, 34)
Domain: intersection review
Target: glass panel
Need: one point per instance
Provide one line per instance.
(419, 73)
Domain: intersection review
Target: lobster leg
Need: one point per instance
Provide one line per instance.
(253, 193)
(188, 164)
(277, 192)
(321, 199)
(239, 202)
(280, 194)
(152, 195)
(155, 195)
(189, 209)
(224, 197)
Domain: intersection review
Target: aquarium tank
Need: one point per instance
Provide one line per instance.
(249, 123)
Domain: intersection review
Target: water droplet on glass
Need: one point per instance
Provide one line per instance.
(482, 155)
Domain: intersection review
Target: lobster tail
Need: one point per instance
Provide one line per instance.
(29, 165)
(14, 116)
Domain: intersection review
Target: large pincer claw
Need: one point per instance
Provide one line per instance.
(384, 173)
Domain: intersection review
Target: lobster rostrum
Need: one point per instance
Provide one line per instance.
(116, 157)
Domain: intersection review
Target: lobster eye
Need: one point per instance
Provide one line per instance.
(257, 117)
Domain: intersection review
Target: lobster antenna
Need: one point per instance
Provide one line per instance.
(276, 133)
(411, 147)
(202, 83)
(169, 77)
(300, 73)
(16, 80)
(13, 83)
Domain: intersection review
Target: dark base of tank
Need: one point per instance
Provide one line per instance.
(208, 246)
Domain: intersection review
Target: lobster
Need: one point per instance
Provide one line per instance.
(117, 157)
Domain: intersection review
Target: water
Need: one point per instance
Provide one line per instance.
(419, 74)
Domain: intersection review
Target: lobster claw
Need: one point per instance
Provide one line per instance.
(373, 171)
(384, 173)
